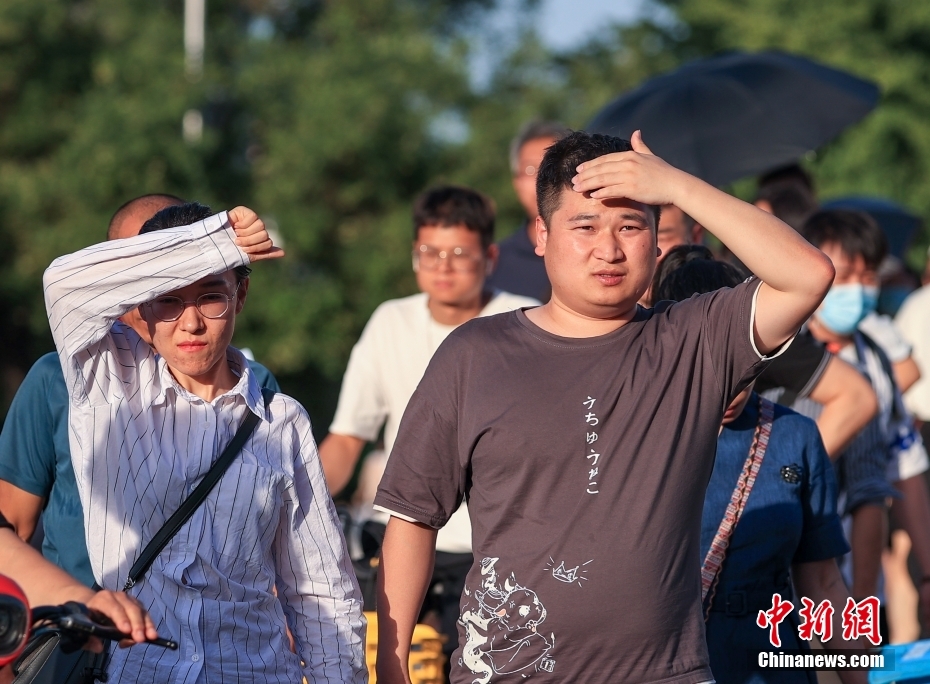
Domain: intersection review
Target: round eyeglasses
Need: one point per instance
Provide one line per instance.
(210, 305)
(429, 258)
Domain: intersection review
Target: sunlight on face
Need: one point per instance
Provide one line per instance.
(600, 254)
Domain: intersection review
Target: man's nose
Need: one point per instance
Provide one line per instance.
(191, 319)
(445, 261)
(608, 247)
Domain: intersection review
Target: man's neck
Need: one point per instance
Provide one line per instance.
(456, 314)
(556, 318)
(210, 385)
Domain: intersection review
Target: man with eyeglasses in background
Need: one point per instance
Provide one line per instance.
(453, 254)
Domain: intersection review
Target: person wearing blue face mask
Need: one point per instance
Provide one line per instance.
(888, 451)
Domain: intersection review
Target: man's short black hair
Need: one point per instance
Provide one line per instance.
(790, 192)
(690, 270)
(855, 232)
(558, 167)
(453, 205)
(184, 215)
(153, 202)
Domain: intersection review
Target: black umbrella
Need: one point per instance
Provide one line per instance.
(739, 114)
(897, 223)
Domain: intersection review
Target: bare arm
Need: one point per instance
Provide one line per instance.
(848, 402)
(47, 584)
(20, 508)
(795, 275)
(339, 454)
(822, 581)
(914, 511)
(407, 556)
(906, 373)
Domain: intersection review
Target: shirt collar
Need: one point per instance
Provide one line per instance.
(247, 387)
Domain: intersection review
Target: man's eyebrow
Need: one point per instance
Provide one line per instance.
(214, 282)
(584, 217)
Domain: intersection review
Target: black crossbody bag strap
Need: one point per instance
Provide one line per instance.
(192, 502)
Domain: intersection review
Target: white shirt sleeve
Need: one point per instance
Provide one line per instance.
(87, 291)
(316, 582)
(363, 405)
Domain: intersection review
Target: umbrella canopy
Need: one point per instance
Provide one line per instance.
(897, 223)
(739, 114)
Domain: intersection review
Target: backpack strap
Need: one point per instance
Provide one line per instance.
(710, 571)
(196, 497)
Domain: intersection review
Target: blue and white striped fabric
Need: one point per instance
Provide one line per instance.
(140, 443)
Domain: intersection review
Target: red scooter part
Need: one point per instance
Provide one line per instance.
(15, 620)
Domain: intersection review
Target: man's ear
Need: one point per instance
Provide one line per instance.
(241, 294)
(542, 236)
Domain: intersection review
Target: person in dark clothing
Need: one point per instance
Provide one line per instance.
(519, 269)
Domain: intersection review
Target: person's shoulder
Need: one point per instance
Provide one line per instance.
(792, 425)
(45, 373)
(285, 411)
(917, 305)
(400, 309)
(48, 366)
(502, 302)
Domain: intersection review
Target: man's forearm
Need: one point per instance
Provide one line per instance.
(407, 556)
(848, 401)
(767, 246)
(339, 454)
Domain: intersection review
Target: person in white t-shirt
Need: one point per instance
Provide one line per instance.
(453, 253)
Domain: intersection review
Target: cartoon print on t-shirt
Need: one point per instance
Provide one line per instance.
(501, 622)
(567, 574)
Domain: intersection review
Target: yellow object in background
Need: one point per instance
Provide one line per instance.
(426, 658)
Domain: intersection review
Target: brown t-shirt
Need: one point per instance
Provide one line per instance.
(584, 463)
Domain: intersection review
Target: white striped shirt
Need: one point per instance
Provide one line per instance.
(140, 443)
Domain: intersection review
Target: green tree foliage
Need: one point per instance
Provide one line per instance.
(888, 41)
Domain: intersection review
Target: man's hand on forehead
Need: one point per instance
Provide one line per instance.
(251, 235)
(638, 175)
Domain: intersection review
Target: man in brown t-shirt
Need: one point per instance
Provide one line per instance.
(583, 433)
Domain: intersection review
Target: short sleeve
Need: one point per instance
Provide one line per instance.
(822, 535)
(425, 478)
(727, 334)
(362, 407)
(27, 446)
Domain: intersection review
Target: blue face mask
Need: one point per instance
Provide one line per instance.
(846, 305)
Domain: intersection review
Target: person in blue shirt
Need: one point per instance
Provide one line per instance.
(789, 531)
(36, 476)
